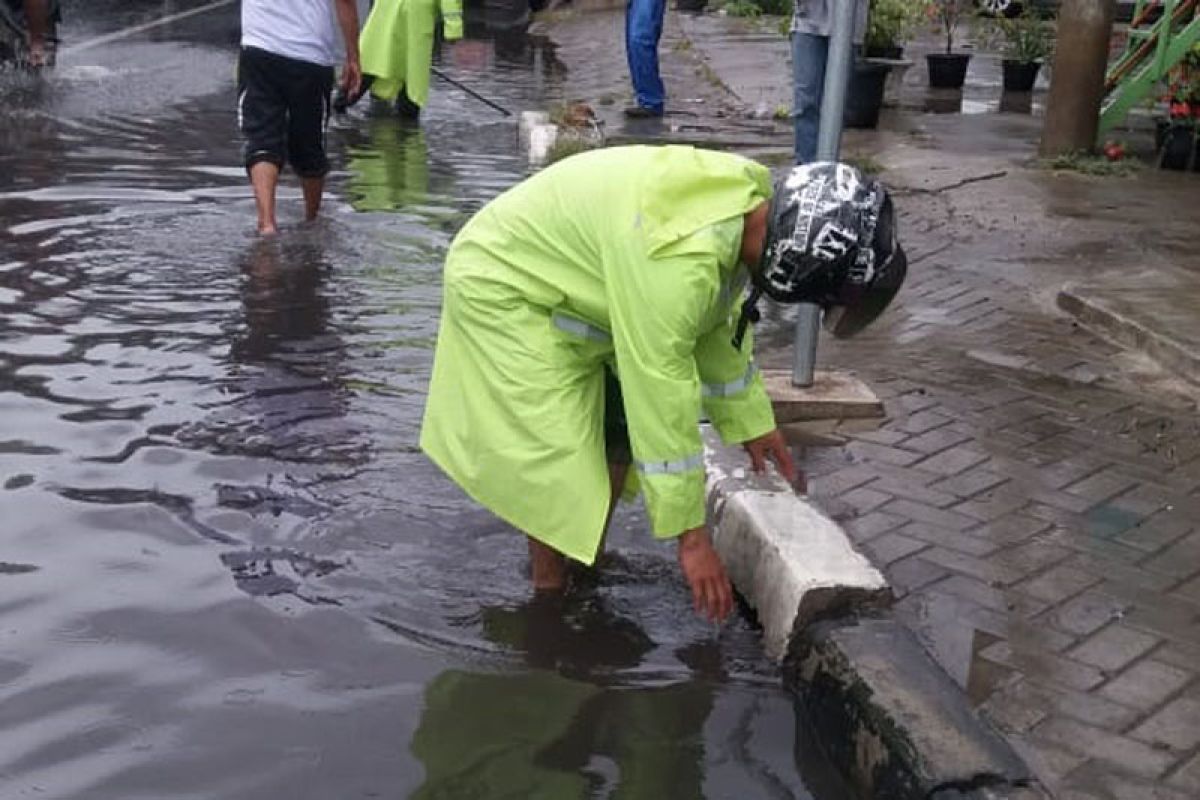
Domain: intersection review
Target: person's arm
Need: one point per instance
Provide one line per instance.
(655, 309)
(347, 16)
(736, 400)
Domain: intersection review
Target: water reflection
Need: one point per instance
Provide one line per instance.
(287, 366)
(1016, 103)
(282, 301)
(578, 636)
(389, 168)
(943, 101)
(566, 728)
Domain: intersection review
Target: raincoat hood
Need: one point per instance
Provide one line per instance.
(686, 190)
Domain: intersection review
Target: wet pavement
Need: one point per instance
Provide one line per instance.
(225, 569)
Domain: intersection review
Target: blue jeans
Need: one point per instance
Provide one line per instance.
(809, 53)
(643, 29)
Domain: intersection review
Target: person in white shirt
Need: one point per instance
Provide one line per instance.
(285, 80)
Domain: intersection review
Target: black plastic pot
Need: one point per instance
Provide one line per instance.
(1020, 76)
(690, 5)
(864, 95)
(948, 70)
(1178, 146)
(893, 53)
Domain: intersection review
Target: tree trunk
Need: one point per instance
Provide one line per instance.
(1077, 84)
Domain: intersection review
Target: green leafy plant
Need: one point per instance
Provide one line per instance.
(759, 8)
(1026, 38)
(775, 8)
(1183, 88)
(1096, 166)
(742, 8)
(892, 22)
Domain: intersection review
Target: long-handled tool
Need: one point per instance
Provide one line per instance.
(470, 91)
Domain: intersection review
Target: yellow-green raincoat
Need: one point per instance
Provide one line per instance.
(396, 44)
(627, 256)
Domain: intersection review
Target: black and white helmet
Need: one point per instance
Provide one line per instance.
(831, 240)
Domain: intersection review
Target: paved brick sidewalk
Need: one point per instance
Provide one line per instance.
(1039, 526)
(1034, 503)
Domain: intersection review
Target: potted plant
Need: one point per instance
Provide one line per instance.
(1176, 134)
(1025, 42)
(864, 94)
(948, 70)
(890, 23)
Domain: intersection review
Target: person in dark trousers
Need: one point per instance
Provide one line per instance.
(285, 80)
(643, 29)
(812, 24)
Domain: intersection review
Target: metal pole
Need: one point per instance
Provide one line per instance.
(837, 78)
(829, 145)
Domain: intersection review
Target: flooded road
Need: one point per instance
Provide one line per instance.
(225, 568)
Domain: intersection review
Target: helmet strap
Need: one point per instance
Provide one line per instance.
(750, 314)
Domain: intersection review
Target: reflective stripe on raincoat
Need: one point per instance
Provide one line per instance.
(396, 44)
(626, 256)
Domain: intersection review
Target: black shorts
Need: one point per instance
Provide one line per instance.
(283, 108)
(616, 429)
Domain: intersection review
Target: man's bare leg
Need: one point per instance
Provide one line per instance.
(547, 566)
(264, 177)
(313, 187)
(616, 483)
(37, 19)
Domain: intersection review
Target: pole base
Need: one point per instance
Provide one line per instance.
(833, 396)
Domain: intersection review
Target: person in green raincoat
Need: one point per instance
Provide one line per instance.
(590, 314)
(396, 49)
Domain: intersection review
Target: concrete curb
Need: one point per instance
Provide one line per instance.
(883, 712)
(791, 580)
(893, 722)
(1104, 313)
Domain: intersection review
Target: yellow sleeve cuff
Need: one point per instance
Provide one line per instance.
(744, 416)
(675, 503)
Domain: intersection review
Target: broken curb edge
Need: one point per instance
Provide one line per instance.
(891, 721)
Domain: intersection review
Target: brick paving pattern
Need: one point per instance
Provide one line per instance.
(1038, 517)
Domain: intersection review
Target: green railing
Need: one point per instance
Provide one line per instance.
(1150, 54)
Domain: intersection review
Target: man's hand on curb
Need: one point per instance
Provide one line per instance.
(773, 446)
(712, 593)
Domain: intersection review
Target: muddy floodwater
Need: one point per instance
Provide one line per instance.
(226, 571)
